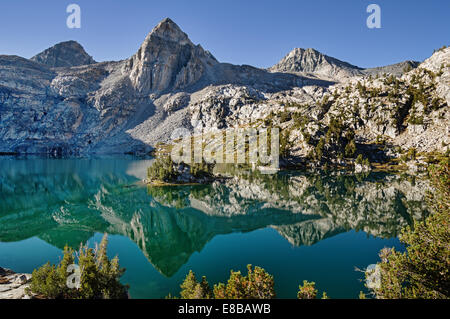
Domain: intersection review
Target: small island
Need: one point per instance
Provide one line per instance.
(165, 172)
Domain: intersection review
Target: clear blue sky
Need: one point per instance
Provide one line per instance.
(255, 32)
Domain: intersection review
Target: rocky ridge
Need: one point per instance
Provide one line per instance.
(134, 104)
(314, 63)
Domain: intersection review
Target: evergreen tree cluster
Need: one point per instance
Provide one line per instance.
(422, 271)
(100, 276)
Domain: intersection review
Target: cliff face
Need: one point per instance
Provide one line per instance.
(61, 102)
(168, 61)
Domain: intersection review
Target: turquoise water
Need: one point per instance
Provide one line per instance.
(298, 226)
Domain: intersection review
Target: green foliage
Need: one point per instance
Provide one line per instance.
(362, 161)
(258, 284)
(320, 148)
(359, 159)
(415, 120)
(307, 291)
(350, 149)
(202, 169)
(284, 143)
(361, 89)
(100, 277)
(411, 154)
(380, 140)
(162, 170)
(366, 162)
(192, 289)
(300, 121)
(422, 271)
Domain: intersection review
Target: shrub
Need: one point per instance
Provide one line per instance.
(258, 284)
(307, 291)
(100, 277)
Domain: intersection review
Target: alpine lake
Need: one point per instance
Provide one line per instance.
(297, 225)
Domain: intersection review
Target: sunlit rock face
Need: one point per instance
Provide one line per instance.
(69, 202)
(168, 61)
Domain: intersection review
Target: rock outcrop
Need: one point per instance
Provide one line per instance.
(12, 285)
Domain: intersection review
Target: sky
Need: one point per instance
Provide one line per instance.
(257, 33)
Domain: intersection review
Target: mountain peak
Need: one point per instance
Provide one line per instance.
(169, 31)
(168, 60)
(312, 61)
(64, 54)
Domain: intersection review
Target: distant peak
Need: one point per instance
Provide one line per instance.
(307, 51)
(64, 54)
(312, 61)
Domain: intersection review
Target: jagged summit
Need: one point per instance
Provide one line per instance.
(64, 54)
(312, 61)
(169, 31)
(168, 60)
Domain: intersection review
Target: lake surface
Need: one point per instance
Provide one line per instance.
(298, 226)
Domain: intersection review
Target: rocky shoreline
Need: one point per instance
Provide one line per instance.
(13, 285)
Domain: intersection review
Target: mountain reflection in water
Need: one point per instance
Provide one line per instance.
(67, 201)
